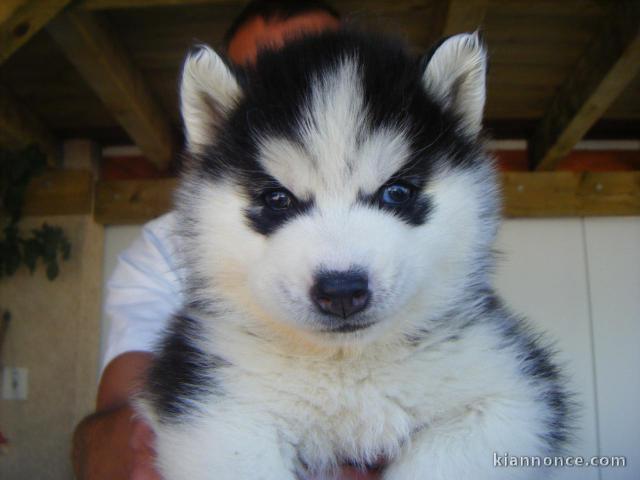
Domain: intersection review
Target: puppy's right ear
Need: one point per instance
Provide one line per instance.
(208, 91)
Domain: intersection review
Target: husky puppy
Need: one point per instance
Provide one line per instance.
(337, 215)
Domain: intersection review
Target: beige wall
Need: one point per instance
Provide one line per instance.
(54, 333)
(579, 280)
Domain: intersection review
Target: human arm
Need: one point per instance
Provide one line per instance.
(111, 443)
(141, 295)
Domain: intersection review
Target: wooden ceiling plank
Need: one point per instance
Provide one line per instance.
(116, 4)
(464, 16)
(19, 127)
(107, 68)
(609, 64)
(21, 19)
(450, 17)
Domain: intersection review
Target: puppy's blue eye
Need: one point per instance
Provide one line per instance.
(396, 195)
(278, 200)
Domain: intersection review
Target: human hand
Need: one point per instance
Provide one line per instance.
(114, 445)
(143, 453)
(351, 473)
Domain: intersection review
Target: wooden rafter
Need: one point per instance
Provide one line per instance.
(19, 127)
(21, 19)
(107, 68)
(610, 62)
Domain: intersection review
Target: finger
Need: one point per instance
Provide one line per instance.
(142, 437)
(144, 472)
(143, 467)
(142, 441)
(351, 473)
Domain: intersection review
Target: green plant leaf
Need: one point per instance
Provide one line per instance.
(52, 271)
(47, 243)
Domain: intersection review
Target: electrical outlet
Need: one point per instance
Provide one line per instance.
(15, 383)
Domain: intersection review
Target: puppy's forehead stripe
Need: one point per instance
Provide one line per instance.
(336, 148)
(334, 115)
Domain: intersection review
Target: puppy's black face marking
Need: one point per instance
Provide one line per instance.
(267, 213)
(236, 161)
(414, 211)
(276, 96)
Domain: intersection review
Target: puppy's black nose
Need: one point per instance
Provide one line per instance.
(341, 293)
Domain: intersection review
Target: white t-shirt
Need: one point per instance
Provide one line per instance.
(144, 290)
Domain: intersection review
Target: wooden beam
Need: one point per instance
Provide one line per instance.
(60, 192)
(19, 127)
(21, 19)
(566, 194)
(464, 16)
(68, 191)
(133, 201)
(608, 65)
(525, 194)
(107, 68)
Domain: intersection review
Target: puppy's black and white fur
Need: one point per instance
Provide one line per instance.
(337, 215)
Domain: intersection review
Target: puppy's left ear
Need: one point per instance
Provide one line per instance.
(456, 75)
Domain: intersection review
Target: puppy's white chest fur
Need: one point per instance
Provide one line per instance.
(353, 413)
(359, 407)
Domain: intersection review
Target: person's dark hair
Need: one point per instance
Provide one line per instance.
(277, 9)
